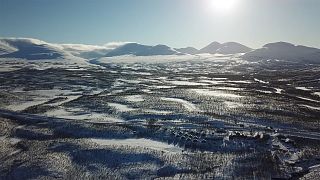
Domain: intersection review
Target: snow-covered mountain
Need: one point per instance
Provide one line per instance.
(232, 48)
(30, 49)
(6, 48)
(225, 48)
(34, 49)
(85, 51)
(142, 50)
(187, 50)
(211, 48)
(17, 53)
(284, 51)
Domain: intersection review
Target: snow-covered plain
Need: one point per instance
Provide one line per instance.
(200, 116)
(208, 92)
(146, 143)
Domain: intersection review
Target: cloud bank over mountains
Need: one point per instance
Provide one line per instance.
(34, 49)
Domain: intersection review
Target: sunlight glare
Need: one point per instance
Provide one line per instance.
(223, 6)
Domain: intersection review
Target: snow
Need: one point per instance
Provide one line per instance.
(284, 51)
(146, 91)
(76, 69)
(220, 78)
(186, 83)
(308, 99)
(7, 68)
(207, 92)
(130, 81)
(134, 98)
(137, 73)
(37, 54)
(25, 105)
(101, 118)
(157, 112)
(80, 114)
(232, 105)
(244, 82)
(141, 50)
(142, 142)
(159, 59)
(6, 48)
(69, 98)
(163, 87)
(228, 88)
(314, 167)
(310, 107)
(28, 40)
(278, 90)
(187, 50)
(186, 104)
(232, 48)
(67, 62)
(81, 47)
(121, 107)
(303, 88)
(32, 49)
(317, 93)
(266, 92)
(225, 48)
(12, 141)
(89, 51)
(211, 81)
(260, 81)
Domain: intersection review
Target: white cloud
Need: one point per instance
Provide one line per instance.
(81, 47)
(86, 48)
(113, 45)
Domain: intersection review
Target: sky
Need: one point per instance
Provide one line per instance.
(177, 23)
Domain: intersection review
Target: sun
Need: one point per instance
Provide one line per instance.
(223, 6)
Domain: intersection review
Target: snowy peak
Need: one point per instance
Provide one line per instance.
(280, 45)
(285, 51)
(141, 50)
(211, 48)
(225, 48)
(34, 49)
(232, 48)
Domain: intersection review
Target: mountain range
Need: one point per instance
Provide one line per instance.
(225, 48)
(34, 49)
(284, 51)
(142, 50)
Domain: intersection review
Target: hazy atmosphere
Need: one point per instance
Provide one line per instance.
(177, 23)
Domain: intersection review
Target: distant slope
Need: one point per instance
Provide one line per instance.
(5, 48)
(211, 48)
(141, 50)
(284, 51)
(30, 49)
(225, 48)
(187, 50)
(232, 48)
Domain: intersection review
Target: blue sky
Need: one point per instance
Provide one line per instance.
(177, 23)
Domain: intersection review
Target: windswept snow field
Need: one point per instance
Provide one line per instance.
(166, 117)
